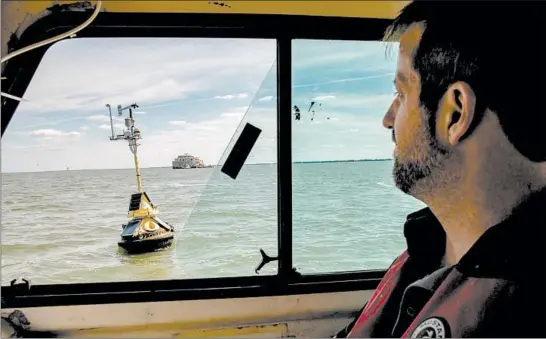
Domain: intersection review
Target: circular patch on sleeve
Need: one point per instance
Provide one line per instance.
(431, 328)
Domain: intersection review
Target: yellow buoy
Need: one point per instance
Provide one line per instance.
(145, 232)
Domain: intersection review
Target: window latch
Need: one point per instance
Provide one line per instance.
(23, 286)
(265, 260)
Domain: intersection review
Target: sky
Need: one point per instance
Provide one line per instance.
(194, 96)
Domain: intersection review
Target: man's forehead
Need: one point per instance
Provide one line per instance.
(410, 38)
(409, 41)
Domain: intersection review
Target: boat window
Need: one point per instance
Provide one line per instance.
(67, 188)
(347, 215)
(236, 216)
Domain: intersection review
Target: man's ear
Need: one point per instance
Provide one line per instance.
(456, 113)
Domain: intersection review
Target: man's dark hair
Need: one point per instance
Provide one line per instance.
(498, 48)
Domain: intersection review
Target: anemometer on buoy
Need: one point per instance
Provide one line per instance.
(145, 232)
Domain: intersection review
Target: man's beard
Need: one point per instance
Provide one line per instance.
(422, 171)
(407, 175)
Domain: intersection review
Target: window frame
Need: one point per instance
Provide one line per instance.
(283, 28)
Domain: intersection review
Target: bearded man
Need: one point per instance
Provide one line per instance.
(469, 128)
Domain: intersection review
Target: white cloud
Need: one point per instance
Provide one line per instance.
(379, 103)
(116, 126)
(235, 112)
(103, 118)
(232, 96)
(240, 114)
(344, 80)
(98, 118)
(324, 97)
(139, 112)
(177, 122)
(307, 54)
(201, 127)
(84, 128)
(266, 98)
(53, 133)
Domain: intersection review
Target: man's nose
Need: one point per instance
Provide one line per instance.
(388, 119)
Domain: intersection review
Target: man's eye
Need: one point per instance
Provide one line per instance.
(399, 95)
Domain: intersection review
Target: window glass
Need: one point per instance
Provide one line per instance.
(347, 214)
(235, 218)
(66, 187)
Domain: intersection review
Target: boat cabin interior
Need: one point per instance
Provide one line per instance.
(281, 300)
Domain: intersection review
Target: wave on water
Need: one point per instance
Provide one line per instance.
(384, 185)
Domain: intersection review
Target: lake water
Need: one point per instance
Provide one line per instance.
(63, 227)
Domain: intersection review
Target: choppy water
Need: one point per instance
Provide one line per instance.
(63, 227)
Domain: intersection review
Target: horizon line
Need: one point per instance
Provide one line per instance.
(206, 166)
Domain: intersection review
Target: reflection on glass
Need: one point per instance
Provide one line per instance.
(234, 218)
(66, 187)
(347, 214)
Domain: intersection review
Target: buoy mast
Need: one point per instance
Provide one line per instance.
(131, 135)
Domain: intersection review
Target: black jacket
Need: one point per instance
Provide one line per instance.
(498, 288)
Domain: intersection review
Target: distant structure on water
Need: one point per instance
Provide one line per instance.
(187, 161)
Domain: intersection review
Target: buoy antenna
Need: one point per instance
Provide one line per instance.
(132, 135)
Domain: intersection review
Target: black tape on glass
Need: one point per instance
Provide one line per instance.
(240, 151)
